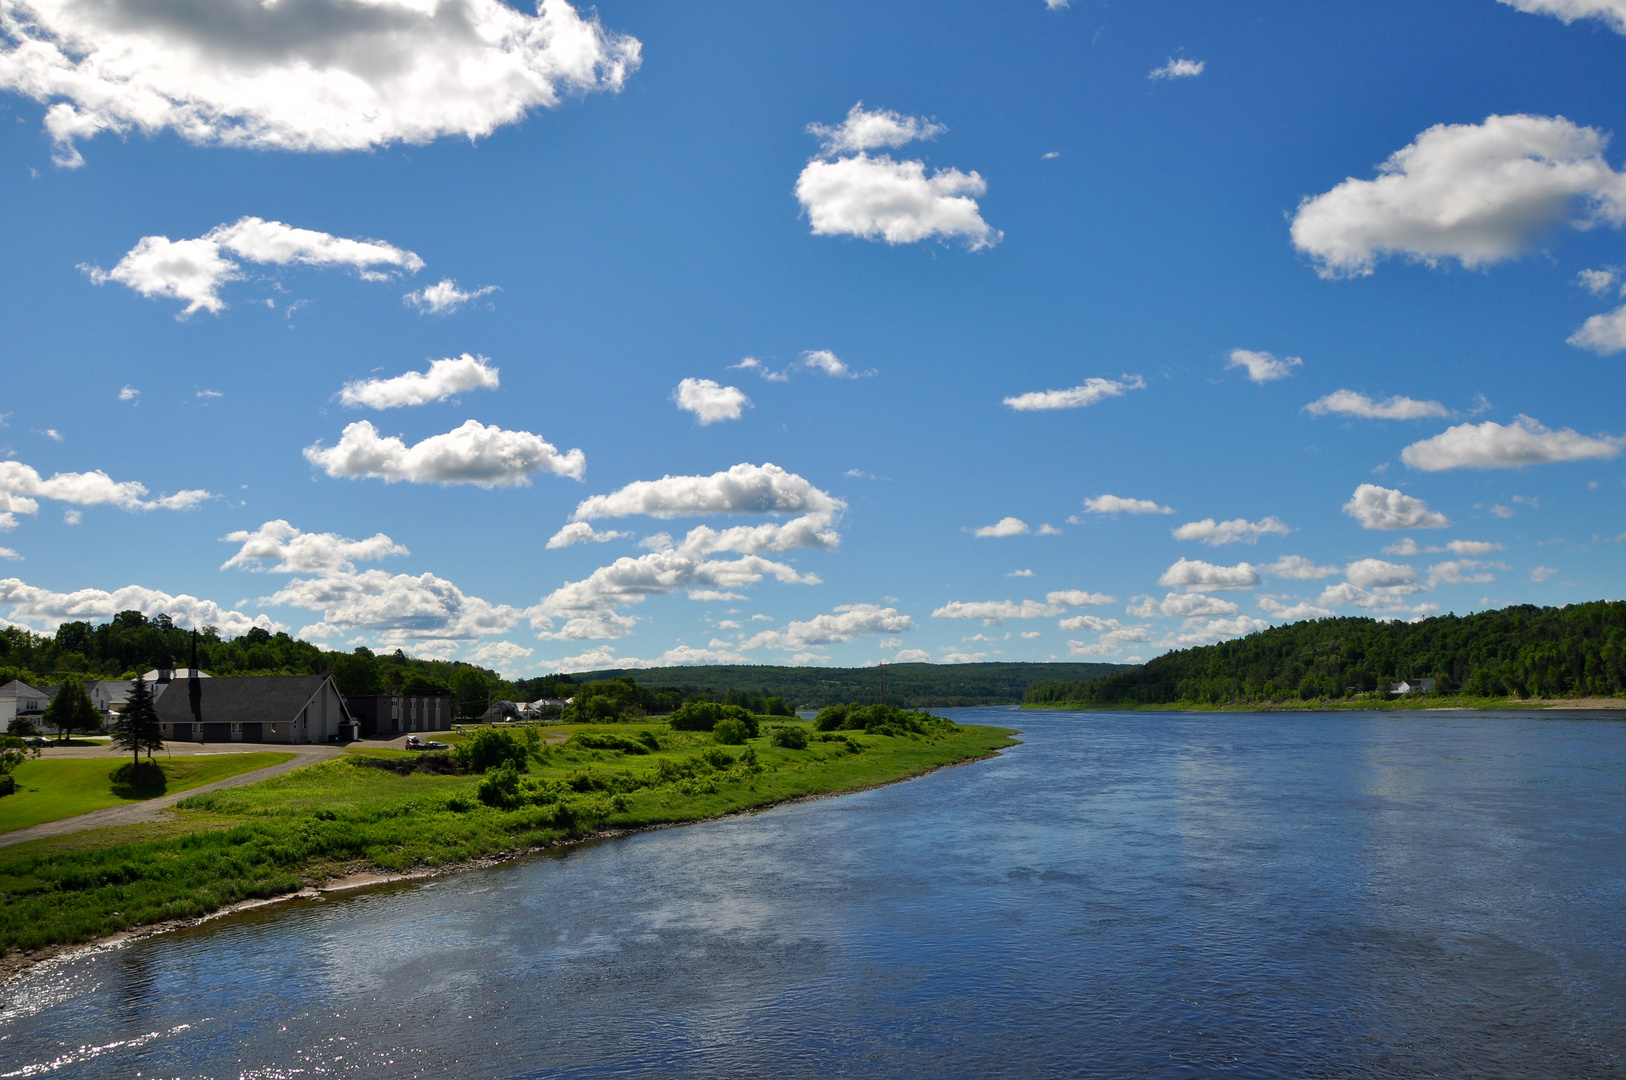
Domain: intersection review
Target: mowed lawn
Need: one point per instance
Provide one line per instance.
(49, 790)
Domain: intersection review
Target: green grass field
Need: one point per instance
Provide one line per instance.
(341, 815)
(49, 790)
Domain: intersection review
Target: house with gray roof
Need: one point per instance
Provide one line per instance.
(254, 709)
(17, 698)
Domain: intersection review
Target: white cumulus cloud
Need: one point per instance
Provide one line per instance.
(1179, 69)
(1378, 574)
(590, 607)
(1077, 397)
(44, 608)
(1612, 13)
(1385, 508)
(993, 612)
(444, 297)
(1113, 504)
(580, 532)
(1496, 446)
(1194, 575)
(1603, 334)
(743, 489)
(194, 270)
(504, 657)
(1292, 612)
(1214, 533)
(1200, 632)
(869, 130)
(1477, 193)
(292, 551)
(879, 198)
(443, 379)
(847, 623)
(1349, 403)
(399, 608)
(470, 454)
(1298, 568)
(21, 488)
(1463, 572)
(1007, 526)
(1263, 367)
(709, 401)
(876, 198)
(319, 75)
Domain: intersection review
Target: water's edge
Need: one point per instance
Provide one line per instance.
(15, 965)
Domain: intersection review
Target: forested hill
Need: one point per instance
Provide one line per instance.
(1524, 651)
(913, 686)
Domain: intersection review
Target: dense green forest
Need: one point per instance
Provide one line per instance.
(1521, 651)
(913, 686)
(131, 643)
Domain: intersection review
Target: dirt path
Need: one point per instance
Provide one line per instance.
(153, 809)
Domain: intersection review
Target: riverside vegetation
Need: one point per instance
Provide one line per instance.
(496, 792)
(1484, 660)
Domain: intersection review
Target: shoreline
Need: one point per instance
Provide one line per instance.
(1531, 705)
(15, 965)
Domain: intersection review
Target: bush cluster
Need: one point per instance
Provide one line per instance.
(788, 736)
(881, 720)
(641, 742)
(704, 716)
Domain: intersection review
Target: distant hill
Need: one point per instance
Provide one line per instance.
(914, 686)
(1522, 651)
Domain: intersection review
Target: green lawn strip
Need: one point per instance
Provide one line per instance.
(48, 790)
(338, 816)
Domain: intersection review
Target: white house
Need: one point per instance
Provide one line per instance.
(1414, 686)
(19, 699)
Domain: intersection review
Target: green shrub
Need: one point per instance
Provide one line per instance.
(490, 747)
(704, 716)
(717, 759)
(830, 718)
(8, 784)
(788, 736)
(777, 707)
(500, 788)
(730, 732)
(881, 720)
(596, 741)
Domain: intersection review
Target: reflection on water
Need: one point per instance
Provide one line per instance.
(1248, 895)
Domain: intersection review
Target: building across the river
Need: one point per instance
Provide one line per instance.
(389, 714)
(255, 709)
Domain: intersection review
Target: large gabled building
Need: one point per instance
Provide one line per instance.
(255, 709)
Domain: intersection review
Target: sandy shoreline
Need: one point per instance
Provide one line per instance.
(15, 964)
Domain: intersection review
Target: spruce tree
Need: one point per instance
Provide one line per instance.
(138, 724)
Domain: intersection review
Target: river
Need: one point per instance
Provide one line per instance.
(1122, 895)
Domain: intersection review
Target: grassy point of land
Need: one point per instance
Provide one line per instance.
(49, 790)
(358, 813)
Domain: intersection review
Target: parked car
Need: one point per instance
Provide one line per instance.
(35, 740)
(415, 743)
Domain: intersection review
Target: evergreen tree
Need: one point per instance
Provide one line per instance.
(137, 726)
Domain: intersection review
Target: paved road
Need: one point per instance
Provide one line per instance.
(154, 809)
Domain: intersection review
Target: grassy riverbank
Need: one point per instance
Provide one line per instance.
(49, 790)
(350, 814)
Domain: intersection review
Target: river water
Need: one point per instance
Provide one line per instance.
(1122, 895)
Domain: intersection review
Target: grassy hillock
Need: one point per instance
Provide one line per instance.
(1519, 652)
(497, 792)
(913, 686)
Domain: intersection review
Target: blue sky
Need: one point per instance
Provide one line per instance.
(1339, 281)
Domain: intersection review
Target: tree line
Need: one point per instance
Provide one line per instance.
(1522, 651)
(131, 643)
